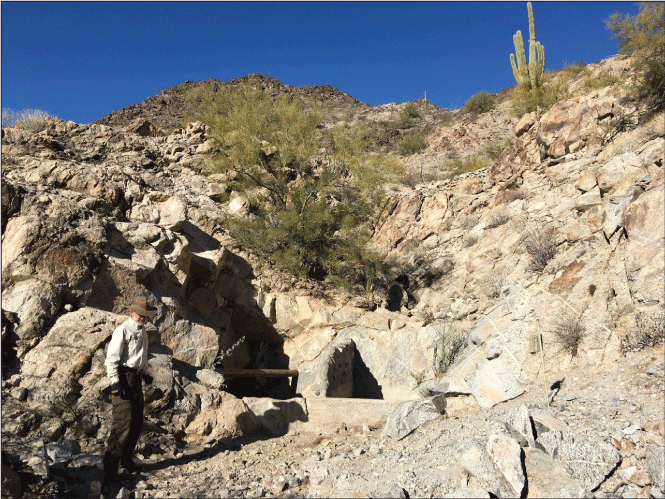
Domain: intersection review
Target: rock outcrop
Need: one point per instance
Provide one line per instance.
(496, 268)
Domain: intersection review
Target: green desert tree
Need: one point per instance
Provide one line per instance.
(311, 208)
(643, 37)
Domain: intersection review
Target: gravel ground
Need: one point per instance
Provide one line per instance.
(617, 407)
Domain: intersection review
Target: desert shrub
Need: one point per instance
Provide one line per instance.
(411, 110)
(403, 122)
(418, 377)
(541, 246)
(494, 283)
(225, 354)
(649, 331)
(498, 219)
(34, 120)
(524, 100)
(515, 194)
(412, 144)
(470, 240)
(643, 37)
(601, 80)
(8, 117)
(619, 123)
(494, 149)
(311, 210)
(480, 103)
(467, 164)
(449, 344)
(470, 221)
(408, 112)
(413, 178)
(445, 117)
(574, 70)
(568, 331)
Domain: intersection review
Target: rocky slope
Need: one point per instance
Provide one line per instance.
(561, 237)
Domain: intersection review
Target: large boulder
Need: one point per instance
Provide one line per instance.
(547, 478)
(194, 344)
(587, 459)
(223, 416)
(493, 383)
(51, 370)
(506, 455)
(35, 303)
(409, 415)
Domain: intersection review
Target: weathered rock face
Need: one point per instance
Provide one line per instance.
(565, 222)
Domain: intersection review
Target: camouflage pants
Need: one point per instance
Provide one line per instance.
(127, 417)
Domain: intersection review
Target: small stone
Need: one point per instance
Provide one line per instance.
(20, 394)
(640, 478)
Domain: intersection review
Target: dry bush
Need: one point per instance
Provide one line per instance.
(653, 128)
(515, 194)
(540, 245)
(34, 120)
(649, 331)
(470, 240)
(470, 221)
(467, 164)
(494, 283)
(449, 344)
(601, 80)
(497, 220)
(494, 149)
(568, 331)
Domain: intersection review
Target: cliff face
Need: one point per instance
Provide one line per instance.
(563, 232)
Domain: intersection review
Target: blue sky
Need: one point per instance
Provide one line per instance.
(82, 60)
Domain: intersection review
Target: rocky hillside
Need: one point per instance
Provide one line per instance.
(168, 110)
(526, 308)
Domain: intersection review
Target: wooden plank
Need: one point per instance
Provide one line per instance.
(233, 372)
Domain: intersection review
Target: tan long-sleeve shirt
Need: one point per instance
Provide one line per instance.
(128, 347)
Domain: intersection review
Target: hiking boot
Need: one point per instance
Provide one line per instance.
(130, 465)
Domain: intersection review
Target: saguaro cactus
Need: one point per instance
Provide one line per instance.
(531, 75)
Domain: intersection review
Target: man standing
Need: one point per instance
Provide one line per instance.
(126, 359)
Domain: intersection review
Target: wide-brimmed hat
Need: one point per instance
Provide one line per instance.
(141, 307)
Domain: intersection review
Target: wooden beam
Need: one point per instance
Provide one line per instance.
(233, 372)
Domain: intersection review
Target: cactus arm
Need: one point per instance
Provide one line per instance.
(520, 71)
(532, 23)
(540, 69)
(516, 74)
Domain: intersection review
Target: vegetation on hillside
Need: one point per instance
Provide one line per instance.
(29, 119)
(309, 209)
(412, 144)
(643, 37)
(480, 103)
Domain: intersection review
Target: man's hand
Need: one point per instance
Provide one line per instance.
(147, 379)
(117, 389)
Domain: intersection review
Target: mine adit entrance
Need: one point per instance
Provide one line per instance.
(263, 370)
